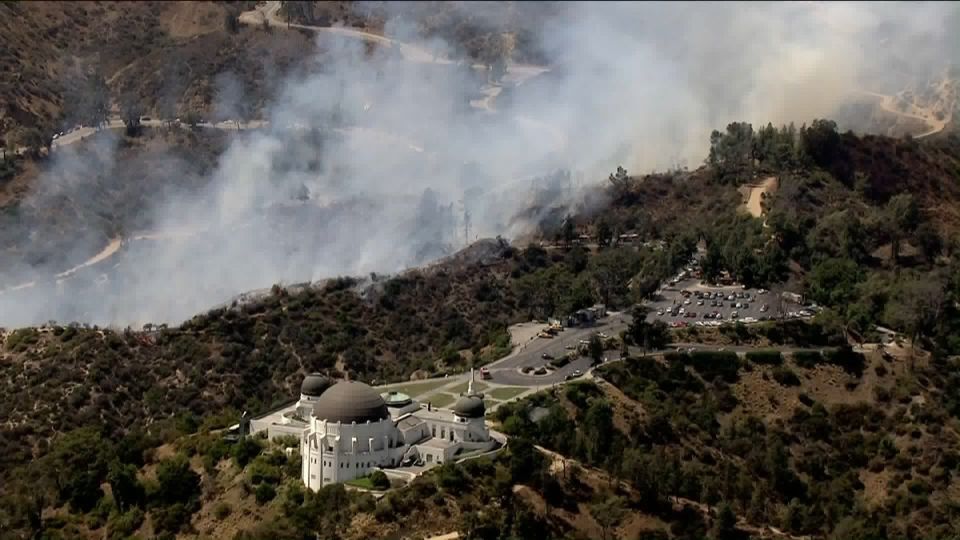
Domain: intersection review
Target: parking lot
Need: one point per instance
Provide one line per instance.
(689, 302)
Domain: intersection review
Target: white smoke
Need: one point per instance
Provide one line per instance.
(367, 165)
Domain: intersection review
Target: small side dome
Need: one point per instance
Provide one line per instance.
(314, 384)
(469, 407)
(396, 399)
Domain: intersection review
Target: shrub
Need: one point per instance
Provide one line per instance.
(712, 364)
(851, 361)
(170, 518)
(123, 525)
(265, 493)
(262, 472)
(785, 376)
(221, 511)
(245, 450)
(379, 480)
(770, 358)
(807, 359)
(450, 477)
(560, 361)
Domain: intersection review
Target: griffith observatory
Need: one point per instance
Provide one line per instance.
(347, 430)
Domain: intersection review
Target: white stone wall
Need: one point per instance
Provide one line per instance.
(335, 453)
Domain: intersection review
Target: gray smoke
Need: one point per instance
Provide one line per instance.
(368, 165)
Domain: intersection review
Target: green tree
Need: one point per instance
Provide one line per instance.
(177, 483)
(916, 306)
(928, 240)
(31, 139)
(191, 118)
(725, 525)
(126, 489)
(595, 349)
(712, 264)
(604, 233)
(598, 431)
(832, 282)
(649, 336)
(902, 215)
(608, 514)
(130, 112)
(576, 259)
(78, 464)
(245, 450)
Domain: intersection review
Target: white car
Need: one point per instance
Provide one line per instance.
(681, 311)
(699, 302)
(686, 302)
(659, 313)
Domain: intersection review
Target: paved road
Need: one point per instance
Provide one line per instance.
(269, 12)
(507, 369)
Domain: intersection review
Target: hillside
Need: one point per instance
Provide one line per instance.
(250, 354)
(859, 450)
(168, 56)
(56, 213)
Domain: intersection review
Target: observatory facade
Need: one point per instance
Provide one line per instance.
(348, 430)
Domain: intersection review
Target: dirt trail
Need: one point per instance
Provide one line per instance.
(270, 12)
(754, 195)
(104, 254)
(888, 103)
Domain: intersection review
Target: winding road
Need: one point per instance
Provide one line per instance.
(888, 103)
(270, 12)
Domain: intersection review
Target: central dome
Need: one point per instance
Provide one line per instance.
(350, 401)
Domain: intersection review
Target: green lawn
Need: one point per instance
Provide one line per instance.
(506, 393)
(362, 482)
(414, 389)
(440, 399)
(461, 388)
(489, 403)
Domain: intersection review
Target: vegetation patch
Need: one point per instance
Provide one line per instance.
(415, 389)
(506, 393)
(769, 358)
(462, 388)
(440, 399)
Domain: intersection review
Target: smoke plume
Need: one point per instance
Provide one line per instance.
(374, 163)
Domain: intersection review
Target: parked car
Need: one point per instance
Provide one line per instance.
(546, 356)
(699, 302)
